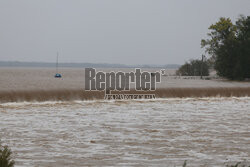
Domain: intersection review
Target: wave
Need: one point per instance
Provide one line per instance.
(71, 95)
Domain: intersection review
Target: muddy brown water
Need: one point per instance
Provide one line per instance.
(162, 132)
(14, 79)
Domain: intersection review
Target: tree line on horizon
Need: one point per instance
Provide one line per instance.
(228, 47)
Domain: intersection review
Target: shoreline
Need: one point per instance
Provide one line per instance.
(80, 94)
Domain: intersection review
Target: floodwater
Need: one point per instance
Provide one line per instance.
(14, 79)
(160, 132)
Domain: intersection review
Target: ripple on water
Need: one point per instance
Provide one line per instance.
(137, 132)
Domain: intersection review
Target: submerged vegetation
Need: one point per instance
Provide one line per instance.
(239, 164)
(5, 157)
(70, 95)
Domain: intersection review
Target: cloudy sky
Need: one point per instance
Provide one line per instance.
(110, 31)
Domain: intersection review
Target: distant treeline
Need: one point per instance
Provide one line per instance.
(228, 44)
(82, 65)
(228, 47)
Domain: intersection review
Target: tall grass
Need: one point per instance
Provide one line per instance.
(67, 95)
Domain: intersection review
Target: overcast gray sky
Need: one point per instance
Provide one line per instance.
(110, 31)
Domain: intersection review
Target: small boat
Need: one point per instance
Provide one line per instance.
(57, 75)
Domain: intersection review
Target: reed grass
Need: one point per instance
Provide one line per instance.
(67, 95)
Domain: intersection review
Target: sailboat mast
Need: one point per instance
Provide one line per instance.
(57, 62)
